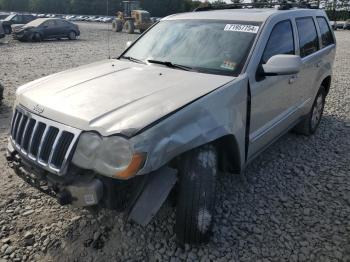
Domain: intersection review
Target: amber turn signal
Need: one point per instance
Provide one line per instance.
(135, 165)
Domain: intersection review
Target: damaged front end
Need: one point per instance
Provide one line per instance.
(41, 152)
(140, 197)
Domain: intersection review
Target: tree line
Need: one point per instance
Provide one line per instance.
(96, 7)
(158, 8)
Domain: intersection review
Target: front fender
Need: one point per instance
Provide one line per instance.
(217, 114)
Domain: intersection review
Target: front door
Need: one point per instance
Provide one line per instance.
(273, 98)
(50, 29)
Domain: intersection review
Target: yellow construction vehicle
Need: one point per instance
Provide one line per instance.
(131, 18)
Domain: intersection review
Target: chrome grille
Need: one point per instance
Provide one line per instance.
(43, 141)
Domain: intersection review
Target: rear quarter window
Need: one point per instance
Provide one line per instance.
(326, 33)
(308, 39)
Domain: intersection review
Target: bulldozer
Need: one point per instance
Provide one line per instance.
(131, 18)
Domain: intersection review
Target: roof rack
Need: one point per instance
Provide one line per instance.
(280, 6)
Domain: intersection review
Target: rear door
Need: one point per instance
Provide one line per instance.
(63, 27)
(273, 98)
(309, 47)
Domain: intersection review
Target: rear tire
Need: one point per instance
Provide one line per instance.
(196, 196)
(309, 125)
(129, 26)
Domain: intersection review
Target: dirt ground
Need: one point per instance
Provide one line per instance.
(294, 205)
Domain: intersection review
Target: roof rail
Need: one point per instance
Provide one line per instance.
(285, 5)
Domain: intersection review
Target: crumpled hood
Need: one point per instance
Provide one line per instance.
(114, 96)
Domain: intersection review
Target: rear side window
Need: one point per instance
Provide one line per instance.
(326, 34)
(308, 39)
(281, 41)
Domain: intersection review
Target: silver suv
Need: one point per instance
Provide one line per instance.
(197, 93)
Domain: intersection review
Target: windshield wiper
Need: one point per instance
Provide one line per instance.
(171, 65)
(133, 59)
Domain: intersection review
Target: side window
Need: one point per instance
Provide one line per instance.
(49, 23)
(16, 19)
(326, 34)
(28, 18)
(307, 36)
(281, 41)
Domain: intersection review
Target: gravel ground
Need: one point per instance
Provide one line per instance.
(293, 206)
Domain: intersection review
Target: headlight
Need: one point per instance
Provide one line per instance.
(110, 156)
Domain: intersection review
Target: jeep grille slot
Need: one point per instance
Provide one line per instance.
(49, 144)
(64, 141)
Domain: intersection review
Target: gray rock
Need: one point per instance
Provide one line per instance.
(3, 248)
(6, 240)
(28, 235)
(9, 250)
(27, 213)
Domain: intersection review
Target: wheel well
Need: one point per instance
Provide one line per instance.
(228, 153)
(326, 83)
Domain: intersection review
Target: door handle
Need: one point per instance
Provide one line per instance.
(292, 79)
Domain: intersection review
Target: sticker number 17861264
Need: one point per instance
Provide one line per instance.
(242, 28)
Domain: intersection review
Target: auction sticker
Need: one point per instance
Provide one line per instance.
(242, 28)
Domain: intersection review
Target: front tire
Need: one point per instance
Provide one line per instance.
(196, 196)
(37, 37)
(309, 125)
(72, 35)
(7, 30)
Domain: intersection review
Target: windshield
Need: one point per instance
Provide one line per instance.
(36, 22)
(217, 47)
(9, 17)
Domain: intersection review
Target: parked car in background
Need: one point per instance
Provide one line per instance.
(46, 28)
(347, 25)
(16, 19)
(340, 24)
(334, 25)
(2, 32)
(3, 15)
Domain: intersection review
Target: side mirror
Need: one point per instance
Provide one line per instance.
(128, 44)
(282, 65)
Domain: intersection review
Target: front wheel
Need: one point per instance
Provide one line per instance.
(72, 35)
(196, 196)
(37, 37)
(309, 125)
(7, 30)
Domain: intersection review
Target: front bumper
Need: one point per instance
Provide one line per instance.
(80, 188)
(20, 36)
(82, 192)
(141, 196)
